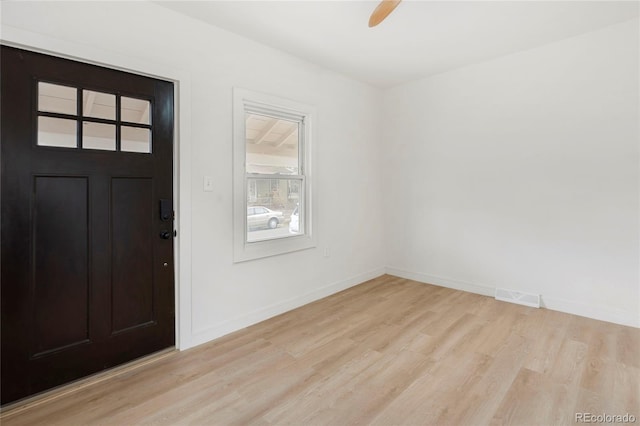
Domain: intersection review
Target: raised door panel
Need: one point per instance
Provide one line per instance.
(132, 211)
(60, 241)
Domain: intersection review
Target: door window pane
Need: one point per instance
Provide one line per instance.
(57, 98)
(134, 139)
(135, 110)
(99, 136)
(271, 145)
(271, 213)
(57, 132)
(98, 105)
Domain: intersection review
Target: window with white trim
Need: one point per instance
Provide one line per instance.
(273, 201)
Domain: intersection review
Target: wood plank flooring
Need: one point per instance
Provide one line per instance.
(387, 352)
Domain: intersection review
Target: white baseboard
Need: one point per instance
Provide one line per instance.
(602, 313)
(570, 307)
(210, 333)
(442, 281)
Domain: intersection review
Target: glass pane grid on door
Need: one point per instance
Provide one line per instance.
(75, 117)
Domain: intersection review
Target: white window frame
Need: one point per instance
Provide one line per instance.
(244, 100)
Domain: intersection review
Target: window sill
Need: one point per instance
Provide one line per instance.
(268, 248)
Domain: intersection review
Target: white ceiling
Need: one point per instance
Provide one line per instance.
(419, 38)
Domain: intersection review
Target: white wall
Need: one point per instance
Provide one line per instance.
(522, 172)
(218, 296)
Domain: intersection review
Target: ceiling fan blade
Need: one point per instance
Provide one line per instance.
(382, 11)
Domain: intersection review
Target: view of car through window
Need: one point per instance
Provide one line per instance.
(262, 217)
(268, 223)
(294, 223)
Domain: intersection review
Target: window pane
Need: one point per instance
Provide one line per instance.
(99, 136)
(98, 105)
(57, 132)
(57, 98)
(135, 110)
(134, 139)
(272, 145)
(271, 212)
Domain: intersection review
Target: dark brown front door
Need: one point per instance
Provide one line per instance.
(87, 223)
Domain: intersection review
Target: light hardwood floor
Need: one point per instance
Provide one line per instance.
(387, 352)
